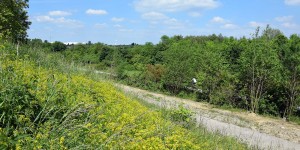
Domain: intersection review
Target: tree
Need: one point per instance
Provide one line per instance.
(164, 39)
(104, 53)
(213, 74)
(260, 67)
(270, 33)
(179, 61)
(14, 20)
(58, 46)
(35, 43)
(291, 61)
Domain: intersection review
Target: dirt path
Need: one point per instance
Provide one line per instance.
(257, 131)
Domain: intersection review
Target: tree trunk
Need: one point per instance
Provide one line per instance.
(292, 95)
(18, 48)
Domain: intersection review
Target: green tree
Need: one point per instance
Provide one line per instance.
(36, 43)
(270, 33)
(290, 52)
(58, 46)
(260, 67)
(179, 61)
(104, 53)
(14, 19)
(213, 74)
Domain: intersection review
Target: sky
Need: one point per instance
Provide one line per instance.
(141, 21)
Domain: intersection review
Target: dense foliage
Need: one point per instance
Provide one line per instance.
(14, 20)
(44, 108)
(259, 74)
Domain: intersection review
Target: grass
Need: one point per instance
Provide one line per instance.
(295, 119)
(199, 131)
(47, 102)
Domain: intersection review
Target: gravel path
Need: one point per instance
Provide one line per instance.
(220, 122)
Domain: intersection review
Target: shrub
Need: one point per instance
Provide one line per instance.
(58, 46)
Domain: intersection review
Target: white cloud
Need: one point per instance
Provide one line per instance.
(173, 23)
(195, 14)
(225, 24)
(284, 18)
(154, 16)
(61, 21)
(114, 19)
(229, 26)
(96, 12)
(173, 5)
(117, 26)
(219, 20)
(44, 19)
(255, 24)
(286, 21)
(159, 18)
(292, 2)
(100, 25)
(289, 25)
(59, 13)
(125, 30)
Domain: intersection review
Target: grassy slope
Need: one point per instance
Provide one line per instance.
(48, 109)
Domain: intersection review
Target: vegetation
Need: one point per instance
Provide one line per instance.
(42, 107)
(47, 104)
(259, 74)
(14, 20)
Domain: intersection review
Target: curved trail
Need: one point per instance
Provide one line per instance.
(228, 125)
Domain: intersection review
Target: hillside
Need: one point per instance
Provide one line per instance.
(44, 108)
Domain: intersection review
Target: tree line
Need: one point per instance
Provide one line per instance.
(260, 74)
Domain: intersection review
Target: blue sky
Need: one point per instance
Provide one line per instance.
(140, 21)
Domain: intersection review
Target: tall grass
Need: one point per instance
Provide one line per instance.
(47, 102)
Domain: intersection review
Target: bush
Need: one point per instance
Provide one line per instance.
(181, 115)
(58, 46)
